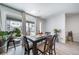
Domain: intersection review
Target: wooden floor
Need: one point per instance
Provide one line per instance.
(68, 48)
(61, 49)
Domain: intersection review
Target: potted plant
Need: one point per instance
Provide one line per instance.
(2, 40)
(18, 32)
(2, 35)
(57, 31)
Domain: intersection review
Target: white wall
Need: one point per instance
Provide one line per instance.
(72, 24)
(0, 20)
(57, 21)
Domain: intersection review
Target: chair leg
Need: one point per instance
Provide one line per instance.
(54, 51)
(14, 44)
(25, 51)
(51, 52)
(7, 45)
(28, 52)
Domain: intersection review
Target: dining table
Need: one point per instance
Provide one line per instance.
(35, 40)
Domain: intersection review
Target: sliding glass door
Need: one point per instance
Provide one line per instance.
(12, 23)
(30, 28)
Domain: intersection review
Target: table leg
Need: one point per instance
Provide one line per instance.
(34, 50)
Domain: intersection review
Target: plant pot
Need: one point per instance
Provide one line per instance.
(1, 50)
(1, 43)
(1, 46)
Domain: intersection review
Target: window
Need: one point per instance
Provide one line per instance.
(17, 23)
(30, 28)
(12, 23)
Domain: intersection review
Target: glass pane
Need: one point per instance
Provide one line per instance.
(11, 24)
(26, 27)
(32, 29)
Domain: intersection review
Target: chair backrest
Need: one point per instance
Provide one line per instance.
(54, 38)
(47, 33)
(49, 43)
(70, 33)
(1, 43)
(70, 36)
(25, 42)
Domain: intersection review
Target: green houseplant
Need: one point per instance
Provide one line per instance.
(3, 34)
(18, 32)
(3, 37)
(2, 40)
(57, 31)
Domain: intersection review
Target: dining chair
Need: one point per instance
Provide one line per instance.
(10, 43)
(27, 45)
(70, 36)
(47, 33)
(48, 47)
(52, 42)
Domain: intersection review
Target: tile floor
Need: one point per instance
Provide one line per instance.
(61, 49)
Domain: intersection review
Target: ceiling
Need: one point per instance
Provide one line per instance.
(45, 10)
